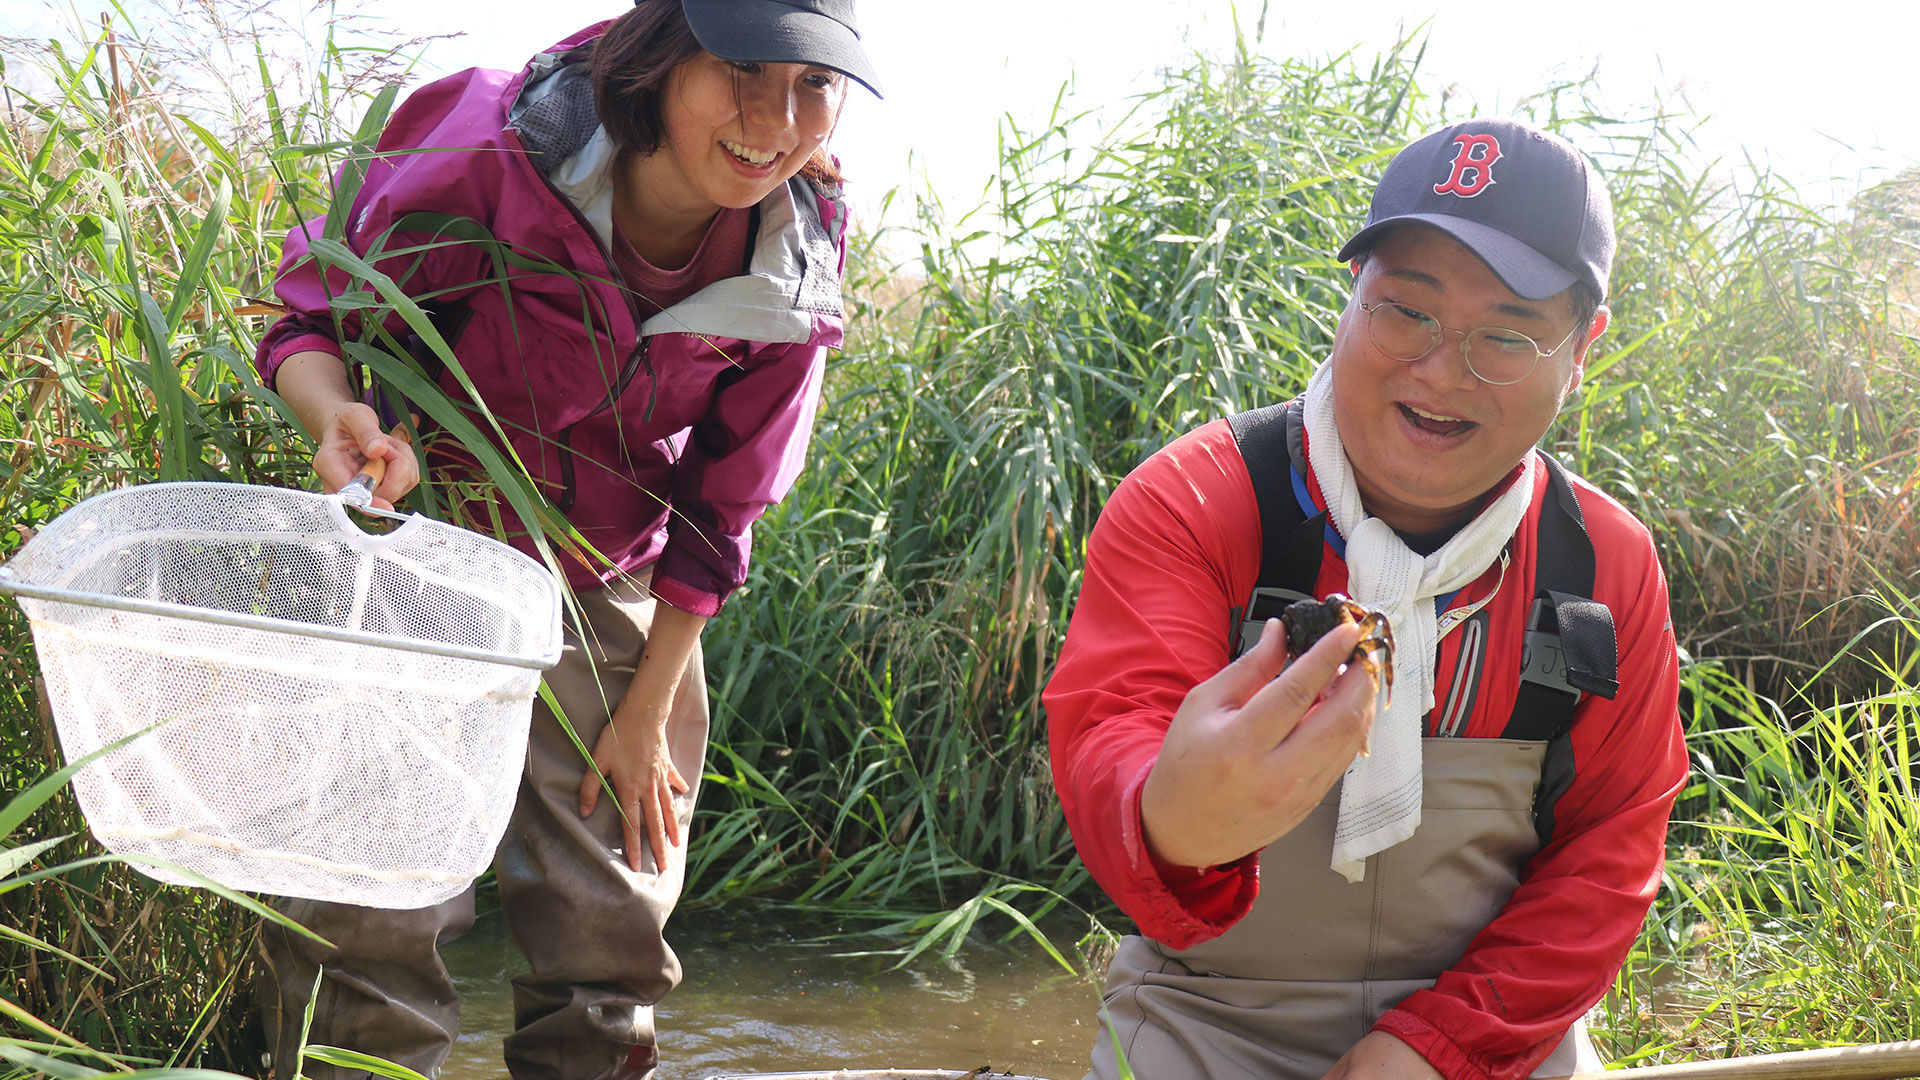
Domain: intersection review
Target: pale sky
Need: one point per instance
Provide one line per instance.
(1794, 84)
(1823, 93)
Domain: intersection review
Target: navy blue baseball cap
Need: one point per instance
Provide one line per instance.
(822, 32)
(1523, 200)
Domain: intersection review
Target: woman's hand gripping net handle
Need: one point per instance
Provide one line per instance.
(358, 492)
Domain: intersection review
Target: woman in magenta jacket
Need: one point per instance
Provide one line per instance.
(653, 354)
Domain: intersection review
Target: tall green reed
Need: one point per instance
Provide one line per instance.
(877, 690)
(1756, 406)
(137, 224)
(878, 745)
(1791, 914)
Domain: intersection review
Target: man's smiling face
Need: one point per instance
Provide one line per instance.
(1427, 438)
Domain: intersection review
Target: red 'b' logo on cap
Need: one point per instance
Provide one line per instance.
(1472, 166)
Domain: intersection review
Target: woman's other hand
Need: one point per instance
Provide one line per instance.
(634, 759)
(632, 751)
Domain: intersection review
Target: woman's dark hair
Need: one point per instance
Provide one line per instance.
(630, 64)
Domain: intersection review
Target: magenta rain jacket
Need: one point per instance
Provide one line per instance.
(661, 441)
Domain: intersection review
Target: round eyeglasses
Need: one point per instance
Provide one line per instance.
(1495, 354)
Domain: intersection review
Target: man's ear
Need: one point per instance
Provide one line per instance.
(1601, 318)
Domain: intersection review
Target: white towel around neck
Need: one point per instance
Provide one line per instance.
(1380, 797)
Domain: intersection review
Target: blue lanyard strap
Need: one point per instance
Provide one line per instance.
(1339, 543)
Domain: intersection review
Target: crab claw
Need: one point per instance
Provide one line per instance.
(1375, 653)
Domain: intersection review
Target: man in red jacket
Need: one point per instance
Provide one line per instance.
(1328, 881)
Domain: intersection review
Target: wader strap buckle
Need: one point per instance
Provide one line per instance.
(1542, 661)
(1265, 603)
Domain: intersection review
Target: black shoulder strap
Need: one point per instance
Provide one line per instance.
(1290, 541)
(1570, 647)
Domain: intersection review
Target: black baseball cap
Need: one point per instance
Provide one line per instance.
(1523, 200)
(821, 32)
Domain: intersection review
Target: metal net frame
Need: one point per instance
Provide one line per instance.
(314, 710)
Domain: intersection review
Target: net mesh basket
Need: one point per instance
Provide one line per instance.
(334, 714)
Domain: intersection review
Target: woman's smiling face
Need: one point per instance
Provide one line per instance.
(1427, 438)
(734, 131)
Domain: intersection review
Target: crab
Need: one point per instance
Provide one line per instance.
(1307, 621)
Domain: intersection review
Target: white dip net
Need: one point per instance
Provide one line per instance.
(334, 714)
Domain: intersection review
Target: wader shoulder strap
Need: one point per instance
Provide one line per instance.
(1570, 646)
(1290, 542)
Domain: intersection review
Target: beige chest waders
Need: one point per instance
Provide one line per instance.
(1294, 985)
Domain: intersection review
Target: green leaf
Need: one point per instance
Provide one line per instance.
(195, 265)
(353, 1059)
(40, 1064)
(9, 1008)
(353, 171)
(22, 806)
(12, 859)
(177, 452)
(44, 946)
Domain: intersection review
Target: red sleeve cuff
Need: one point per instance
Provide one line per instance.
(1207, 892)
(1430, 1043)
(1182, 906)
(687, 598)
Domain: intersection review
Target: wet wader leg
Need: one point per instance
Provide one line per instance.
(590, 927)
(385, 991)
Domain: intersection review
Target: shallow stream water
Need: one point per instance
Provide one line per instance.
(762, 993)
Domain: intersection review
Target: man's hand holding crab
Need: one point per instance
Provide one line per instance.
(1254, 748)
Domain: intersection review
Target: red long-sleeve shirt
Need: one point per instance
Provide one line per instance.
(1176, 548)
